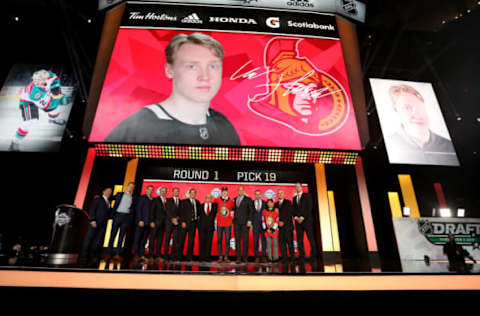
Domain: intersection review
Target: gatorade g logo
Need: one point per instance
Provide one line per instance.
(298, 95)
(273, 22)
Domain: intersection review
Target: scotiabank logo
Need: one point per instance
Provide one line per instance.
(299, 95)
(273, 22)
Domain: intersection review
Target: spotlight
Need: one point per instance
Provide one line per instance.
(445, 212)
(461, 212)
(89, 21)
(17, 19)
(468, 11)
(443, 22)
(406, 211)
(459, 118)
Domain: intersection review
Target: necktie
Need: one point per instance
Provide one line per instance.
(163, 201)
(176, 202)
(281, 202)
(258, 205)
(239, 200)
(298, 199)
(208, 209)
(194, 209)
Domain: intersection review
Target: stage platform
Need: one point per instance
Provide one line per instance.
(197, 276)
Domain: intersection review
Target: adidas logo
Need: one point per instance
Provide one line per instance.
(192, 18)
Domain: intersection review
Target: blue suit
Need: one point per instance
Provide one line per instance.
(121, 221)
(142, 214)
(257, 229)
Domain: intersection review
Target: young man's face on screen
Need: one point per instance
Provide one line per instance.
(196, 73)
(412, 112)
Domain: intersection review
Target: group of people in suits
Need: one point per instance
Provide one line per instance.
(170, 224)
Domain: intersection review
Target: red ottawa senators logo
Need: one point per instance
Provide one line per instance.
(298, 95)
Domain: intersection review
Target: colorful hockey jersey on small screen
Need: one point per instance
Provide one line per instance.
(46, 98)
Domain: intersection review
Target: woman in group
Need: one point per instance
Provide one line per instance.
(270, 218)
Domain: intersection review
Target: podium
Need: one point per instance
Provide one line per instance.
(69, 229)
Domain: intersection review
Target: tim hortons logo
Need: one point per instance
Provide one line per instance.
(297, 94)
(222, 19)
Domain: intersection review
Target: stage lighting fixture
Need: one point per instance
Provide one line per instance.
(406, 211)
(434, 212)
(445, 212)
(224, 153)
(17, 18)
(461, 212)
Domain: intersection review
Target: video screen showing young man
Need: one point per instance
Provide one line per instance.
(194, 67)
(412, 123)
(210, 88)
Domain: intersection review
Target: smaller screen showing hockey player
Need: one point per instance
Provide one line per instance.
(35, 104)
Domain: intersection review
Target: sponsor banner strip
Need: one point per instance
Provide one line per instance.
(225, 18)
(353, 9)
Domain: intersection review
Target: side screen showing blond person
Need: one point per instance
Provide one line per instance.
(415, 142)
(194, 66)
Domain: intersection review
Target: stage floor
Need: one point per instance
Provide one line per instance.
(297, 267)
(190, 280)
(351, 275)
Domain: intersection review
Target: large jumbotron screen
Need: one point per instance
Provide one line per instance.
(412, 123)
(281, 81)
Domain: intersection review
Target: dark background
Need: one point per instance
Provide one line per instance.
(400, 40)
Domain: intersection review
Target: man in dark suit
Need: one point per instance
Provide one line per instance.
(142, 221)
(100, 212)
(243, 208)
(171, 222)
(122, 218)
(302, 212)
(206, 227)
(286, 226)
(158, 215)
(189, 211)
(258, 233)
